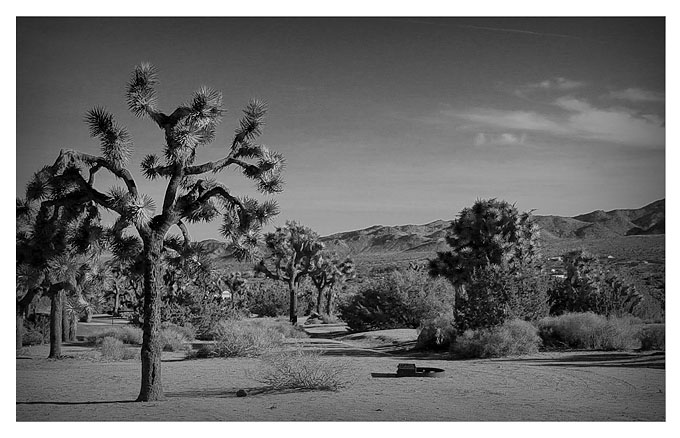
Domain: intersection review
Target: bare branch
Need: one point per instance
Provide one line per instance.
(67, 156)
(185, 233)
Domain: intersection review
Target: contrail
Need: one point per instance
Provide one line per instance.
(492, 29)
(528, 32)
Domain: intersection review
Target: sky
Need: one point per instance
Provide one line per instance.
(390, 121)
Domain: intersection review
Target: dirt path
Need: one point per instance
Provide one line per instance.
(575, 386)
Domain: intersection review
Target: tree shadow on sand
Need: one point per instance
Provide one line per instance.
(231, 392)
(72, 403)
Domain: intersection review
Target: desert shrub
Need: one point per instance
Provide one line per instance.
(126, 334)
(437, 333)
(304, 370)
(176, 338)
(652, 337)
(401, 299)
(36, 332)
(589, 288)
(192, 308)
(280, 325)
(33, 337)
(512, 338)
(267, 298)
(329, 319)
(114, 349)
(236, 339)
(589, 331)
(188, 331)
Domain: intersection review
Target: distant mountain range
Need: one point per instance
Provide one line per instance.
(598, 224)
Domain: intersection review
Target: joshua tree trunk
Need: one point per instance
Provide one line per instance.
(318, 301)
(65, 323)
(293, 302)
(116, 303)
(23, 306)
(57, 300)
(73, 326)
(329, 302)
(152, 388)
(20, 328)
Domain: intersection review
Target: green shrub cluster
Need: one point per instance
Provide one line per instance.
(496, 294)
(176, 338)
(589, 288)
(401, 299)
(652, 337)
(235, 339)
(269, 298)
(114, 349)
(512, 338)
(301, 369)
(589, 331)
(126, 334)
(33, 337)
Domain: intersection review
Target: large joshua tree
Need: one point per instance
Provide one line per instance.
(190, 196)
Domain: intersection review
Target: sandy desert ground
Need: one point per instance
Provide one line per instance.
(565, 386)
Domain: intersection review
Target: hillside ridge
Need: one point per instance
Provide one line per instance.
(598, 224)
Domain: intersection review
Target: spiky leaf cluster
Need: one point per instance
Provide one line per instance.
(116, 143)
(125, 248)
(205, 108)
(149, 165)
(137, 210)
(141, 95)
(250, 125)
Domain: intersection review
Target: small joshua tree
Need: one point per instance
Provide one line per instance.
(291, 251)
(327, 273)
(53, 247)
(190, 196)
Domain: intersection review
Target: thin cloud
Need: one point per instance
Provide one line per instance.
(618, 125)
(510, 120)
(558, 83)
(637, 95)
(504, 139)
(549, 86)
(579, 119)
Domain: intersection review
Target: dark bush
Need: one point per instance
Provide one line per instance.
(589, 288)
(401, 299)
(269, 298)
(652, 337)
(437, 333)
(33, 337)
(496, 294)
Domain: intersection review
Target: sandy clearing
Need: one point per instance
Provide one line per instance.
(572, 386)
